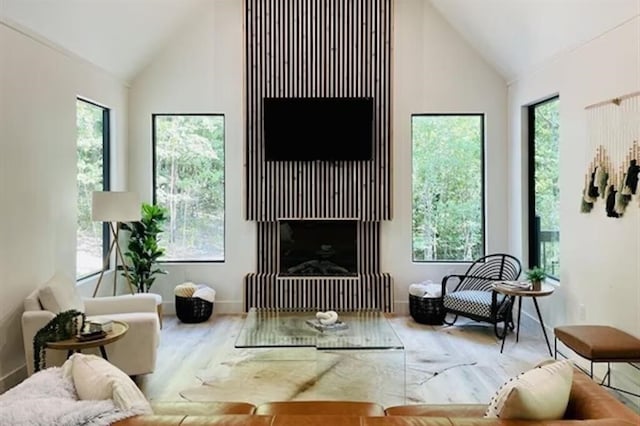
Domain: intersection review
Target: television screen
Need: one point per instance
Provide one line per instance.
(307, 129)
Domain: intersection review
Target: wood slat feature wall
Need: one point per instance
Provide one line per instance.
(372, 291)
(318, 48)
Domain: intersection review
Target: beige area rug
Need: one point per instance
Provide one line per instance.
(288, 374)
(439, 365)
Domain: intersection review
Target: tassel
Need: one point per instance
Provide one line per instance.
(621, 203)
(593, 191)
(602, 183)
(611, 201)
(597, 175)
(625, 189)
(600, 179)
(585, 207)
(632, 177)
(586, 198)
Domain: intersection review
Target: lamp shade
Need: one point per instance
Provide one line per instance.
(115, 206)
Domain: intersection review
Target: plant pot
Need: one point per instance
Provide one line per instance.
(536, 285)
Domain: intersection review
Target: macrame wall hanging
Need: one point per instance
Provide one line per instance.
(613, 171)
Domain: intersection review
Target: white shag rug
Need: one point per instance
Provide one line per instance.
(47, 398)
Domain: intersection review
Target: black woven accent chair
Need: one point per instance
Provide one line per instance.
(473, 296)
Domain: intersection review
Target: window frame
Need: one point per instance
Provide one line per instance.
(483, 213)
(224, 187)
(106, 181)
(534, 255)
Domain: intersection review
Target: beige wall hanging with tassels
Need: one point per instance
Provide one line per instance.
(612, 173)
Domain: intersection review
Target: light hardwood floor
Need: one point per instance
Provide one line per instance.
(443, 364)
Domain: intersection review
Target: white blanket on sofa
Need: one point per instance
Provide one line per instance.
(47, 398)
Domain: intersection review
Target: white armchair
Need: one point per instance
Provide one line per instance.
(134, 354)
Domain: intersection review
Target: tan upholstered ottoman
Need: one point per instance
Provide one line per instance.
(600, 343)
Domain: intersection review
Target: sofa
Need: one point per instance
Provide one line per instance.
(135, 353)
(589, 405)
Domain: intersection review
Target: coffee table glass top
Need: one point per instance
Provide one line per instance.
(268, 328)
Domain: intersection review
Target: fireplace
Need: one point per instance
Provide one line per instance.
(315, 248)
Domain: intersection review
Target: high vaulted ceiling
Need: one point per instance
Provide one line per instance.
(122, 36)
(516, 36)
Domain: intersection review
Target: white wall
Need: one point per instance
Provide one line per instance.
(201, 71)
(38, 89)
(435, 71)
(599, 256)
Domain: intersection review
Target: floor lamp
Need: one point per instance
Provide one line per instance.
(115, 207)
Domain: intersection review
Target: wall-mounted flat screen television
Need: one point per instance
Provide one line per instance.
(308, 129)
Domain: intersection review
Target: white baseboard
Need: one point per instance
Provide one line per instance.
(13, 378)
(401, 308)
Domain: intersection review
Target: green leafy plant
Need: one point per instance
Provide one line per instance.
(143, 250)
(536, 274)
(62, 327)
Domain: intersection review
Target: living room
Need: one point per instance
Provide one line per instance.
(199, 68)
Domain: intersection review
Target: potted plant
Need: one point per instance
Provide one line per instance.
(143, 250)
(536, 275)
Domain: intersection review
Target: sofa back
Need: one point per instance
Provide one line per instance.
(589, 405)
(588, 400)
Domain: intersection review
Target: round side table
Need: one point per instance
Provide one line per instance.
(545, 290)
(73, 344)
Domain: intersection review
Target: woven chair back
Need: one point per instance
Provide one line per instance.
(485, 271)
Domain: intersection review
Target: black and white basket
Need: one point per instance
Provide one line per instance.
(426, 310)
(193, 309)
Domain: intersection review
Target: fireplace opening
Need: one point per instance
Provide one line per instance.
(318, 248)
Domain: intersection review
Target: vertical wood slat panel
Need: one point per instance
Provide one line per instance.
(306, 48)
(374, 292)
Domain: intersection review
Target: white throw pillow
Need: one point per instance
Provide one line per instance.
(541, 393)
(59, 295)
(96, 379)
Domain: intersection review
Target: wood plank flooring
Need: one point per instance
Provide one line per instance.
(443, 364)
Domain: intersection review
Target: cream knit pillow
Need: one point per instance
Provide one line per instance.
(59, 294)
(96, 379)
(541, 393)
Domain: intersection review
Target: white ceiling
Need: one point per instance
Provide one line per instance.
(516, 36)
(121, 36)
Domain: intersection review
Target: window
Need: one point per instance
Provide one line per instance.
(544, 192)
(448, 187)
(92, 122)
(188, 179)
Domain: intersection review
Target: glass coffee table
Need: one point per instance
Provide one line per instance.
(364, 361)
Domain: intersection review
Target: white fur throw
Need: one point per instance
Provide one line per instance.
(205, 292)
(48, 398)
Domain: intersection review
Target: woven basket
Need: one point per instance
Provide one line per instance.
(426, 310)
(193, 309)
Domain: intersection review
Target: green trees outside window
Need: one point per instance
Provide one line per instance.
(448, 187)
(92, 147)
(544, 189)
(189, 183)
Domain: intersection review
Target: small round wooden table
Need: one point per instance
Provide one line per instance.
(513, 292)
(119, 329)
